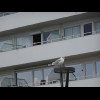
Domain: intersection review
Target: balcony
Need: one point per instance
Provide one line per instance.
(43, 52)
(9, 46)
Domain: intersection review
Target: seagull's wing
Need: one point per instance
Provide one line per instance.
(56, 62)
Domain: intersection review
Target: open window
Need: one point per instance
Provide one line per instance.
(37, 39)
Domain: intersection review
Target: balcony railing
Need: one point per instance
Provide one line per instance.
(12, 47)
(8, 82)
(54, 82)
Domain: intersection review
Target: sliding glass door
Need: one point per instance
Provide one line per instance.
(89, 70)
(72, 32)
(23, 42)
(6, 45)
(51, 36)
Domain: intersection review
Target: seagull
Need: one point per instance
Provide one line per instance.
(58, 62)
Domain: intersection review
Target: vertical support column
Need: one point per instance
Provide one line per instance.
(82, 30)
(41, 38)
(42, 74)
(83, 71)
(33, 78)
(15, 79)
(93, 28)
(14, 42)
(94, 69)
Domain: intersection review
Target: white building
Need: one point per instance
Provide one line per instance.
(29, 41)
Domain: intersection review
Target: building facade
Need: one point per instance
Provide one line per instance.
(29, 41)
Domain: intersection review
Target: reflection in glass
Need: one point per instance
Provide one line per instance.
(72, 32)
(46, 73)
(76, 31)
(98, 69)
(51, 36)
(37, 77)
(89, 71)
(23, 42)
(68, 32)
(6, 45)
(6, 81)
(78, 72)
(97, 27)
(50, 75)
(24, 78)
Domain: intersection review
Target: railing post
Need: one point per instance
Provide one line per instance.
(61, 79)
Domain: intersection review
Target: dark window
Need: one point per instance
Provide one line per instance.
(36, 39)
(87, 29)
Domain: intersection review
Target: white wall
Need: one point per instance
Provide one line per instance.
(52, 50)
(21, 19)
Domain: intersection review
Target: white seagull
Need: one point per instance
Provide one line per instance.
(58, 62)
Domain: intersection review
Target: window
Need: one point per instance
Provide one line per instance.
(37, 77)
(50, 75)
(89, 71)
(97, 27)
(51, 36)
(76, 31)
(47, 73)
(24, 78)
(6, 45)
(68, 32)
(37, 39)
(6, 13)
(98, 68)
(6, 81)
(87, 29)
(23, 42)
(72, 32)
(77, 73)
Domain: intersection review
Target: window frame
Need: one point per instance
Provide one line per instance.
(93, 66)
(72, 29)
(95, 26)
(50, 30)
(88, 33)
(96, 68)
